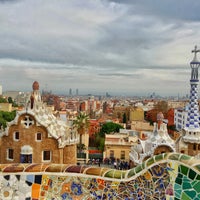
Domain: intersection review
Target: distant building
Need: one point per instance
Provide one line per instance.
(176, 104)
(141, 125)
(118, 145)
(12, 94)
(136, 114)
(180, 118)
(70, 91)
(6, 107)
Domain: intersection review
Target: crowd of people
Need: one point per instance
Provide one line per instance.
(111, 162)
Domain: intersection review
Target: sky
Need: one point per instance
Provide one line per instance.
(123, 47)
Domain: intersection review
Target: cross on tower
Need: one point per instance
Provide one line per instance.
(195, 51)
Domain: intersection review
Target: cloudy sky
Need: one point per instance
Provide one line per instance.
(133, 47)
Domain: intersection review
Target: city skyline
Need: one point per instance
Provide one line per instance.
(123, 47)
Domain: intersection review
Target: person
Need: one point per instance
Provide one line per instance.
(99, 162)
(115, 165)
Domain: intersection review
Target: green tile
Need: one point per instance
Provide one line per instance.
(198, 177)
(194, 183)
(143, 165)
(185, 196)
(118, 174)
(150, 161)
(186, 185)
(177, 187)
(180, 175)
(191, 193)
(165, 155)
(178, 193)
(192, 174)
(185, 157)
(109, 174)
(179, 181)
(174, 156)
(131, 173)
(138, 168)
(197, 187)
(186, 179)
(159, 157)
(183, 169)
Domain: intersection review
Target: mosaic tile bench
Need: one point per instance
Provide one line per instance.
(166, 176)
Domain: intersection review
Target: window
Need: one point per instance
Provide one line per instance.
(10, 154)
(38, 136)
(111, 154)
(122, 154)
(27, 122)
(46, 155)
(16, 135)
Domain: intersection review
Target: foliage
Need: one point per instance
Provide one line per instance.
(6, 117)
(81, 147)
(102, 144)
(99, 142)
(106, 128)
(10, 100)
(3, 100)
(110, 127)
(82, 123)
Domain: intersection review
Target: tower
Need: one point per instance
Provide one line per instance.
(0, 89)
(192, 130)
(70, 91)
(35, 95)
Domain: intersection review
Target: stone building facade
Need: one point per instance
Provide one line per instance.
(37, 136)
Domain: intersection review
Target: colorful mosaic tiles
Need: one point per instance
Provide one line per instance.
(166, 176)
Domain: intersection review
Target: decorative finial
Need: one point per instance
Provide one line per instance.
(195, 51)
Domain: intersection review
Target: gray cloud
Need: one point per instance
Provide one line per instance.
(97, 45)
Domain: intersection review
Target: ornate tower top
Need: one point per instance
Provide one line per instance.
(194, 64)
(195, 51)
(192, 127)
(35, 85)
(35, 97)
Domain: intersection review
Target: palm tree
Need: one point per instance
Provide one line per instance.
(81, 123)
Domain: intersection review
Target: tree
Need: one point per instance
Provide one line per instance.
(82, 124)
(107, 128)
(3, 100)
(151, 116)
(110, 127)
(10, 100)
(6, 117)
